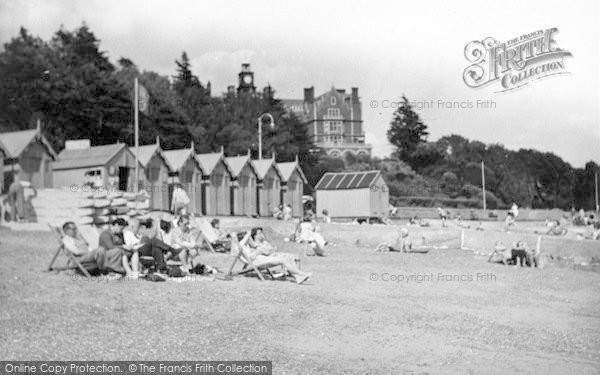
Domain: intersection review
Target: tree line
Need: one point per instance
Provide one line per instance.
(71, 86)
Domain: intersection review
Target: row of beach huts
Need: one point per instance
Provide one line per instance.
(217, 185)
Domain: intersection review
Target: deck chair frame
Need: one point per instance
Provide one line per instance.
(70, 257)
(249, 266)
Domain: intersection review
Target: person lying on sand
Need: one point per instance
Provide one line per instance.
(263, 256)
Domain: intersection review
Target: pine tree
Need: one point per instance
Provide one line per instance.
(407, 130)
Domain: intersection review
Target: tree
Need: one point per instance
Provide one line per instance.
(407, 130)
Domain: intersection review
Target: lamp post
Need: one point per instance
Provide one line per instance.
(260, 131)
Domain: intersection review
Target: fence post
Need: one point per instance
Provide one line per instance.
(462, 239)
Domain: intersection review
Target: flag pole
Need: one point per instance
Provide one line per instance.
(136, 131)
(483, 184)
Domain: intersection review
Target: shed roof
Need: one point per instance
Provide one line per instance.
(177, 158)
(287, 169)
(262, 167)
(237, 163)
(209, 161)
(347, 180)
(14, 143)
(88, 157)
(146, 152)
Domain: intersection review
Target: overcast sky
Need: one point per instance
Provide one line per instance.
(386, 49)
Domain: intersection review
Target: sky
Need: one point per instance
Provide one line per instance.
(386, 49)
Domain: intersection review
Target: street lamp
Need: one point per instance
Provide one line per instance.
(260, 131)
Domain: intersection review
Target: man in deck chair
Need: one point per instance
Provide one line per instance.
(261, 257)
(101, 259)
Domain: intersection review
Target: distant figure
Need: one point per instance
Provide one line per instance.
(16, 199)
(277, 212)
(515, 210)
(443, 215)
(326, 218)
(287, 212)
(179, 201)
(392, 210)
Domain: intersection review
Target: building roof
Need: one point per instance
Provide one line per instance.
(347, 180)
(145, 154)
(295, 106)
(287, 169)
(262, 167)
(237, 163)
(210, 161)
(15, 142)
(177, 158)
(87, 157)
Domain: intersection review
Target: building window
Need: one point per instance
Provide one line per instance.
(333, 100)
(333, 112)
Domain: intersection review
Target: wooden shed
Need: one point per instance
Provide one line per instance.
(353, 194)
(269, 186)
(217, 181)
(292, 186)
(186, 170)
(110, 166)
(243, 186)
(28, 154)
(156, 171)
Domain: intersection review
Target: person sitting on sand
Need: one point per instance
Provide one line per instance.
(183, 237)
(557, 229)
(151, 247)
(112, 238)
(263, 257)
(105, 260)
(403, 243)
(307, 231)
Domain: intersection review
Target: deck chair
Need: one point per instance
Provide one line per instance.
(209, 235)
(72, 261)
(248, 265)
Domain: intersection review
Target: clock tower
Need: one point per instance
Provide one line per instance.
(246, 80)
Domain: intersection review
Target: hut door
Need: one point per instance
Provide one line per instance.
(123, 176)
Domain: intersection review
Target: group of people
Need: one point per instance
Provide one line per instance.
(137, 249)
(123, 246)
(519, 254)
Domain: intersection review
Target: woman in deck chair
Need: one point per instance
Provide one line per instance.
(262, 257)
(111, 260)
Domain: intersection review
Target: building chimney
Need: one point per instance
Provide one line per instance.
(309, 94)
(355, 95)
(208, 88)
(267, 92)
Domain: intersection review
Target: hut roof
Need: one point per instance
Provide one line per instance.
(347, 180)
(87, 157)
(14, 143)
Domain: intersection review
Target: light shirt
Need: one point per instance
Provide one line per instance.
(76, 246)
(130, 238)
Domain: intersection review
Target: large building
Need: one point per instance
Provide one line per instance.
(334, 120)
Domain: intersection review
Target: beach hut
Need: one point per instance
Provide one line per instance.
(186, 170)
(269, 185)
(244, 180)
(2, 156)
(109, 166)
(156, 171)
(28, 154)
(353, 194)
(217, 182)
(292, 185)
